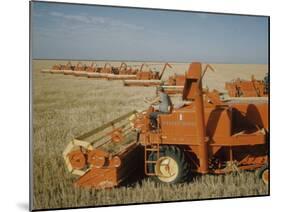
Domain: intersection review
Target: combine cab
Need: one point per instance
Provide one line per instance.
(204, 135)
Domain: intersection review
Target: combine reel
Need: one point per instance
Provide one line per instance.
(97, 156)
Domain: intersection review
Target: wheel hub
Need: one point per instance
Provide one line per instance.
(166, 169)
(265, 176)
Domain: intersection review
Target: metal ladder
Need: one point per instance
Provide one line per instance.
(149, 148)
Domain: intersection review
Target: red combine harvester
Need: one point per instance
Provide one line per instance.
(59, 68)
(126, 73)
(204, 135)
(147, 78)
(243, 88)
(123, 73)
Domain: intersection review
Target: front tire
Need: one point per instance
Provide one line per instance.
(263, 173)
(171, 167)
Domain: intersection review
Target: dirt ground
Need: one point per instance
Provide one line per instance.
(67, 106)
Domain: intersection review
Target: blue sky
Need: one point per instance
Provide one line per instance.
(66, 31)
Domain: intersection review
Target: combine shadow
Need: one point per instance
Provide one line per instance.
(134, 179)
(254, 116)
(137, 176)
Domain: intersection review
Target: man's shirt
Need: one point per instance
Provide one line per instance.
(165, 102)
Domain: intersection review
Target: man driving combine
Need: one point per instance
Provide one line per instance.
(164, 106)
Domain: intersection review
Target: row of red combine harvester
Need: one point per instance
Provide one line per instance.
(143, 76)
(203, 135)
(133, 75)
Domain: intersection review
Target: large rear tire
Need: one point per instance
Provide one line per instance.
(171, 167)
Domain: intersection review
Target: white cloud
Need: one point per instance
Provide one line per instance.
(96, 20)
(121, 24)
(57, 14)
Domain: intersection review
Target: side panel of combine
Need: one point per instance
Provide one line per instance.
(180, 127)
(236, 132)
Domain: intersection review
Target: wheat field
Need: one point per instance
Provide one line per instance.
(64, 107)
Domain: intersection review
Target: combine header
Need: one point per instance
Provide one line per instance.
(80, 70)
(68, 69)
(242, 88)
(105, 156)
(131, 70)
(126, 73)
(122, 73)
(100, 72)
(112, 73)
(147, 78)
(93, 71)
(204, 135)
(59, 69)
(92, 68)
